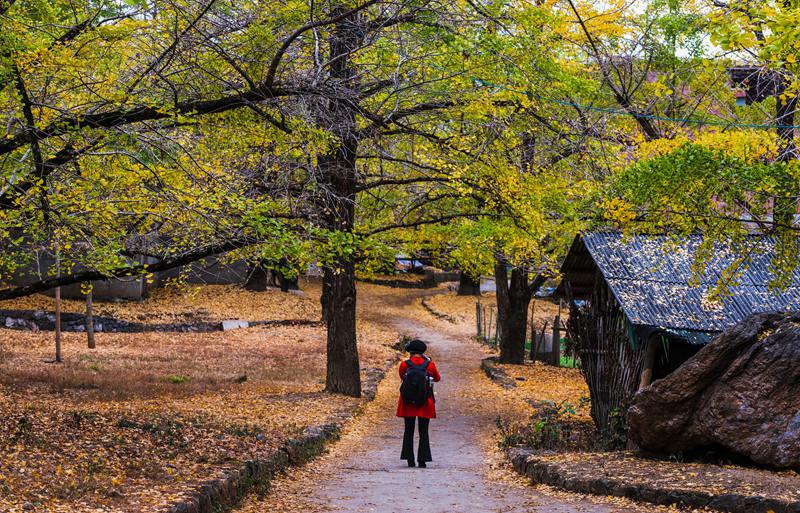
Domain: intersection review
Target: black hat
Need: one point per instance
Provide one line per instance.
(416, 346)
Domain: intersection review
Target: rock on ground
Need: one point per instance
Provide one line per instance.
(740, 393)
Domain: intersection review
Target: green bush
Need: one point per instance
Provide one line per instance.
(549, 428)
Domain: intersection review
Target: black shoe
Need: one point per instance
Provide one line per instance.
(411, 463)
(422, 464)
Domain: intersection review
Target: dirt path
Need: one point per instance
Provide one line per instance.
(364, 472)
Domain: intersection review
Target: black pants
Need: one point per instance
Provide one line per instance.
(424, 451)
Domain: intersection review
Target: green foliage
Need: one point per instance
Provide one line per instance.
(616, 436)
(512, 129)
(697, 188)
(177, 379)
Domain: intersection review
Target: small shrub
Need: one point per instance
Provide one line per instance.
(551, 424)
(77, 418)
(93, 466)
(616, 437)
(177, 379)
(400, 345)
(509, 434)
(549, 428)
(24, 430)
(556, 426)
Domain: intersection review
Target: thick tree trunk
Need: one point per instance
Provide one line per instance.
(512, 312)
(339, 179)
(257, 277)
(339, 280)
(281, 272)
(339, 289)
(468, 286)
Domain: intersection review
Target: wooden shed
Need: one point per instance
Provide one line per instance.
(640, 306)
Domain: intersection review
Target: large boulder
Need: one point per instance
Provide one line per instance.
(741, 393)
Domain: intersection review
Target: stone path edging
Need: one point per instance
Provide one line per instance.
(399, 284)
(526, 463)
(39, 320)
(219, 494)
(436, 313)
(215, 494)
(497, 374)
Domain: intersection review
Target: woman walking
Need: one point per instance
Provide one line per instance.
(416, 401)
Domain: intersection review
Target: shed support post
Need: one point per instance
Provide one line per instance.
(649, 361)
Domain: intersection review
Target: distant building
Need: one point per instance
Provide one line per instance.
(756, 83)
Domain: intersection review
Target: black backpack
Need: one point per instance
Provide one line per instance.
(416, 387)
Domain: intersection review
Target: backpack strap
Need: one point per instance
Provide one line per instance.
(423, 365)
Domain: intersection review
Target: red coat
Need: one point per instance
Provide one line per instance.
(427, 410)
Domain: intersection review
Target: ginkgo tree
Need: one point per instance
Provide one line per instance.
(186, 129)
(141, 137)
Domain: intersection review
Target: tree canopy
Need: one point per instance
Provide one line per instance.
(140, 136)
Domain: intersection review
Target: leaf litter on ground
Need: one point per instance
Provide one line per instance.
(135, 423)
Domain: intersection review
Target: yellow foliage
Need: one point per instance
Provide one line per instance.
(618, 210)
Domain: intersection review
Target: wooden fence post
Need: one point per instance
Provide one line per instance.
(478, 330)
(90, 319)
(534, 346)
(498, 332)
(489, 330)
(58, 305)
(58, 324)
(540, 343)
(483, 324)
(557, 339)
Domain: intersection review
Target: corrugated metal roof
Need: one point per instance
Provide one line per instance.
(652, 278)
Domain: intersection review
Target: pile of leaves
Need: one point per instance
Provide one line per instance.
(677, 475)
(134, 423)
(61, 454)
(538, 382)
(560, 398)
